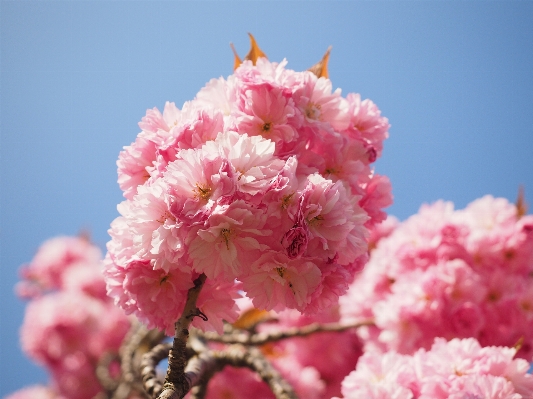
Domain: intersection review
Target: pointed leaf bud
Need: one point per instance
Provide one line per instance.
(237, 60)
(250, 318)
(521, 204)
(255, 52)
(320, 69)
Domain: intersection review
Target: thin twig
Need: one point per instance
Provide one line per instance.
(244, 338)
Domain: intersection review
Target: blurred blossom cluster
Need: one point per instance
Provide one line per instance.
(458, 369)
(448, 273)
(70, 322)
(263, 183)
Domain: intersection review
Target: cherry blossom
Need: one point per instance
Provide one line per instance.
(263, 180)
(454, 369)
(446, 273)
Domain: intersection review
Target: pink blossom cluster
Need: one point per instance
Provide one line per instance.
(456, 369)
(34, 392)
(446, 273)
(70, 322)
(63, 263)
(263, 183)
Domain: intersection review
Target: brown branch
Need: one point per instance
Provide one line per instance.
(177, 382)
(202, 367)
(149, 362)
(252, 358)
(138, 341)
(109, 383)
(266, 337)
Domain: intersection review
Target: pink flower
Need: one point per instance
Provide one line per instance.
(53, 260)
(219, 94)
(252, 158)
(197, 126)
(366, 123)
(153, 229)
(217, 303)
(448, 273)
(156, 127)
(295, 241)
(237, 383)
(34, 392)
(197, 180)
(263, 178)
(156, 297)
(268, 111)
(278, 282)
(228, 241)
(66, 333)
(134, 165)
(334, 221)
(319, 104)
(457, 369)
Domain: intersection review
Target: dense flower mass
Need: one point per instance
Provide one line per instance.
(70, 323)
(263, 183)
(446, 273)
(458, 369)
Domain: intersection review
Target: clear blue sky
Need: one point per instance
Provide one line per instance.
(455, 80)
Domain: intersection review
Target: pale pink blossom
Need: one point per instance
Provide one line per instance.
(135, 164)
(155, 296)
(153, 229)
(219, 94)
(268, 111)
(446, 273)
(252, 158)
(228, 241)
(66, 333)
(335, 221)
(366, 123)
(263, 179)
(34, 392)
(457, 369)
(156, 127)
(217, 303)
(52, 261)
(278, 282)
(198, 180)
(319, 104)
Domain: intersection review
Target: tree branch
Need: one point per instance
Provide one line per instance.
(244, 338)
(177, 382)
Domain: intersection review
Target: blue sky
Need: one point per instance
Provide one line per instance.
(455, 80)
